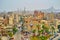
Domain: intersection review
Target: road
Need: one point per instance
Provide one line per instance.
(57, 37)
(18, 36)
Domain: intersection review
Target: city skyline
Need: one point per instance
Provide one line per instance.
(13, 5)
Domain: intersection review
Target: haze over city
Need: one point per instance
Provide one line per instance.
(13, 5)
(29, 19)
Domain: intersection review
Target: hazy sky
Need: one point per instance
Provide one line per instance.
(10, 5)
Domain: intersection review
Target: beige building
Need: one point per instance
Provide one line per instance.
(1, 20)
(16, 18)
(4, 38)
(11, 19)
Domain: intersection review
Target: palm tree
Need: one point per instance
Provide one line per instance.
(10, 34)
(42, 31)
(34, 32)
(39, 32)
(43, 26)
(59, 28)
(53, 29)
(14, 30)
(43, 38)
(38, 26)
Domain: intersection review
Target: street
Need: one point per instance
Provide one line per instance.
(58, 37)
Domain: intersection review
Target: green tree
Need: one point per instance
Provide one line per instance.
(39, 32)
(10, 34)
(45, 28)
(53, 29)
(59, 28)
(34, 32)
(14, 30)
(38, 26)
(43, 38)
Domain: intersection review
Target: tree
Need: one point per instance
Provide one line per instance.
(14, 30)
(47, 30)
(59, 27)
(39, 32)
(34, 32)
(43, 38)
(53, 29)
(10, 34)
(38, 26)
(43, 26)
